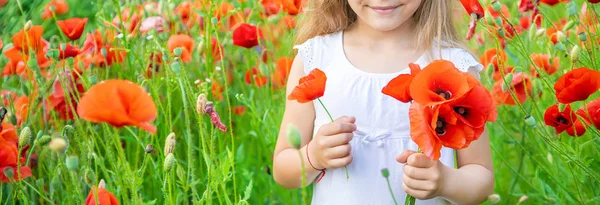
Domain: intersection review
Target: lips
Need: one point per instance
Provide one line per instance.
(384, 9)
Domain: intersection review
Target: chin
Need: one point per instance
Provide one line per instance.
(383, 25)
(385, 15)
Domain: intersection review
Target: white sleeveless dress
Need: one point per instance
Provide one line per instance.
(383, 123)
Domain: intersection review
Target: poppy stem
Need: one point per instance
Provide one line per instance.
(410, 200)
(331, 118)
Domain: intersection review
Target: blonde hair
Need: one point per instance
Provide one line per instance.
(432, 21)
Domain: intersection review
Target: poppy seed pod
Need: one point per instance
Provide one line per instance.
(25, 137)
(170, 144)
(201, 103)
(169, 162)
(530, 121)
(177, 51)
(58, 145)
(582, 36)
(575, 53)
(72, 163)
(488, 18)
(385, 173)
(294, 136)
(176, 67)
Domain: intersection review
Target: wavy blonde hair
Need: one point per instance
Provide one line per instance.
(432, 21)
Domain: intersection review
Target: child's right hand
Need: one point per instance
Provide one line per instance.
(330, 148)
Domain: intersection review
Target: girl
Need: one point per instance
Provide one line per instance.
(361, 45)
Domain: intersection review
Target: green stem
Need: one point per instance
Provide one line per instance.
(303, 177)
(391, 192)
(331, 118)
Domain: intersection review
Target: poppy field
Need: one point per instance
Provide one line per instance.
(180, 102)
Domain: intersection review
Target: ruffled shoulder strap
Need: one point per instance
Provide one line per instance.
(309, 52)
(465, 61)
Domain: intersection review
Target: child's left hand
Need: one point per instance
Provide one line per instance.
(422, 176)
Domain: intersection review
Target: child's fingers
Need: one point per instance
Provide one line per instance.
(337, 127)
(403, 158)
(419, 194)
(420, 185)
(420, 160)
(337, 139)
(340, 162)
(419, 173)
(338, 152)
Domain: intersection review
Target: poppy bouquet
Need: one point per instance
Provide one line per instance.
(448, 107)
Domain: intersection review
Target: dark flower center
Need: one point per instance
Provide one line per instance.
(439, 127)
(445, 94)
(461, 111)
(562, 120)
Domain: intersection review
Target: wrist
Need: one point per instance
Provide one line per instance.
(311, 158)
(446, 181)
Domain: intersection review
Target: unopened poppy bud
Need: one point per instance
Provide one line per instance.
(9, 172)
(488, 18)
(498, 21)
(582, 36)
(385, 172)
(214, 20)
(560, 36)
(575, 53)
(530, 121)
(540, 32)
(532, 33)
(549, 157)
(68, 131)
(494, 198)
(103, 52)
(72, 163)
(572, 8)
(89, 177)
(523, 198)
(569, 25)
(170, 144)
(102, 184)
(201, 103)
(58, 145)
(177, 51)
(180, 171)
(294, 136)
(560, 46)
(201, 46)
(176, 67)
(501, 32)
(39, 134)
(28, 25)
(150, 149)
(169, 162)
(496, 6)
(25, 137)
(507, 80)
(44, 140)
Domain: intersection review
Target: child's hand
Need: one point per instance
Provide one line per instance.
(330, 148)
(422, 177)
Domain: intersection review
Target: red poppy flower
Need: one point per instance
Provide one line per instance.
(476, 107)
(21, 109)
(155, 64)
(217, 90)
(594, 1)
(104, 197)
(73, 27)
(282, 71)
(217, 51)
(60, 7)
(526, 5)
(239, 110)
(9, 133)
(474, 9)
(254, 75)
(155, 22)
(503, 11)
(69, 51)
(2, 3)
(65, 95)
(520, 85)
(525, 22)
(553, 2)
(270, 7)
(399, 87)
(1, 45)
(496, 58)
(552, 34)
(439, 82)
(9, 159)
(246, 35)
(591, 113)
(119, 103)
(577, 85)
(542, 61)
(185, 43)
(565, 120)
(309, 87)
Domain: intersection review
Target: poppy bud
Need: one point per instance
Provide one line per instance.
(488, 18)
(201, 46)
(72, 163)
(560, 36)
(63, 46)
(560, 46)
(58, 145)
(201, 103)
(549, 157)
(180, 171)
(175, 67)
(165, 57)
(68, 131)
(385, 172)
(39, 134)
(102, 184)
(9, 172)
(44, 140)
(170, 144)
(582, 36)
(89, 177)
(523, 198)
(103, 52)
(540, 32)
(572, 8)
(169, 162)
(508, 80)
(28, 25)
(294, 136)
(494, 198)
(498, 21)
(25, 137)
(177, 51)
(496, 6)
(530, 121)
(214, 20)
(569, 25)
(575, 53)
(93, 79)
(501, 32)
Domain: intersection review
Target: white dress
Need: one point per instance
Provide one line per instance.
(382, 122)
